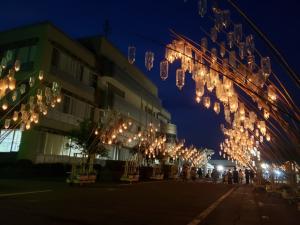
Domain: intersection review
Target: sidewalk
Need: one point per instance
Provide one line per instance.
(246, 206)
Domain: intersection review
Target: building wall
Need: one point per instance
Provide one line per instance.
(87, 87)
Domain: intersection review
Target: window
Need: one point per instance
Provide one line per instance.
(93, 80)
(11, 142)
(66, 104)
(92, 113)
(55, 58)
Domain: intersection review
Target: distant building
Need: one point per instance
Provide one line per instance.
(94, 76)
(222, 164)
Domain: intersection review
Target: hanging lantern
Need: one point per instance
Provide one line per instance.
(36, 118)
(206, 101)
(266, 114)
(55, 87)
(58, 99)
(232, 61)
(266, 66)
(238, 33)
(250, 46)
(45, 111)
(242, 50)
(15, 116)
(22, 88)
(222, 49)
(2, 85)
(164, 69)
(47, 92)
(199, 88)
(11, 83)
(170, 54)
(203, 44)
(271, 93)
(202, 7)
(230, 39)
(3, 62)
(41, 75)
(17, 65)
(198, 99)
(7, 123)
(209, 84)
(31, 81)
(39, 94)
(131, 54)
(149, 59)
(14, 95)
(225, 14)
(180, 78)
(213, 34)
(213, 55)
(268, 138)
(261, 139)
(4, 105)
(251, 62)
(27, 125)
(217, 107)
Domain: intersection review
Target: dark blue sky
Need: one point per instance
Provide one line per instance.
(152, 19)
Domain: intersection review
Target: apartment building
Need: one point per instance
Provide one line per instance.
(94, 76)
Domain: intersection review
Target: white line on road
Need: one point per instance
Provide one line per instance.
(145, 182)
(199, 218)
(24, 193)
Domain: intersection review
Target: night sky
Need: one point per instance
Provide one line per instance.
(131, 19)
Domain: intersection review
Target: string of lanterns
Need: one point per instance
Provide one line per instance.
(233, 65)
(24, 102)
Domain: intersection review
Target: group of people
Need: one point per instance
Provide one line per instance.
(238, 176)
(228, 176)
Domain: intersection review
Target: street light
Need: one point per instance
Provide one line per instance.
(220, 168)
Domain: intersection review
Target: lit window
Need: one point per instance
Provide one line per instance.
(10, 140)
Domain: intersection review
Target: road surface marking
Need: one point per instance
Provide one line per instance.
(145, 182)
(207, 211)
(24, 193)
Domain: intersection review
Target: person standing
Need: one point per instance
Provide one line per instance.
(229, 176)
(200, 173)
(235, 176)
(241, 176)
(247, 175)
(215, 176)
(251, 174)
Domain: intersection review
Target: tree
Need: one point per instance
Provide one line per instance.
(84, 140)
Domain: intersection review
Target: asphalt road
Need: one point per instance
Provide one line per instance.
(156, 203)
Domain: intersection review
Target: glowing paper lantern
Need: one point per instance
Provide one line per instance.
(238, 33)
(250, 46)
(15, 116)
(41, 75)
(266, 66)
(17, 65)
(149, 59)
(222, 49)
(217, 107)
(203, 44)
(206, 101)
(180, 78)
(230, 39)
(242, 50)
(202, 7)
(131, 54)
(213, 34)
(164, 69)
